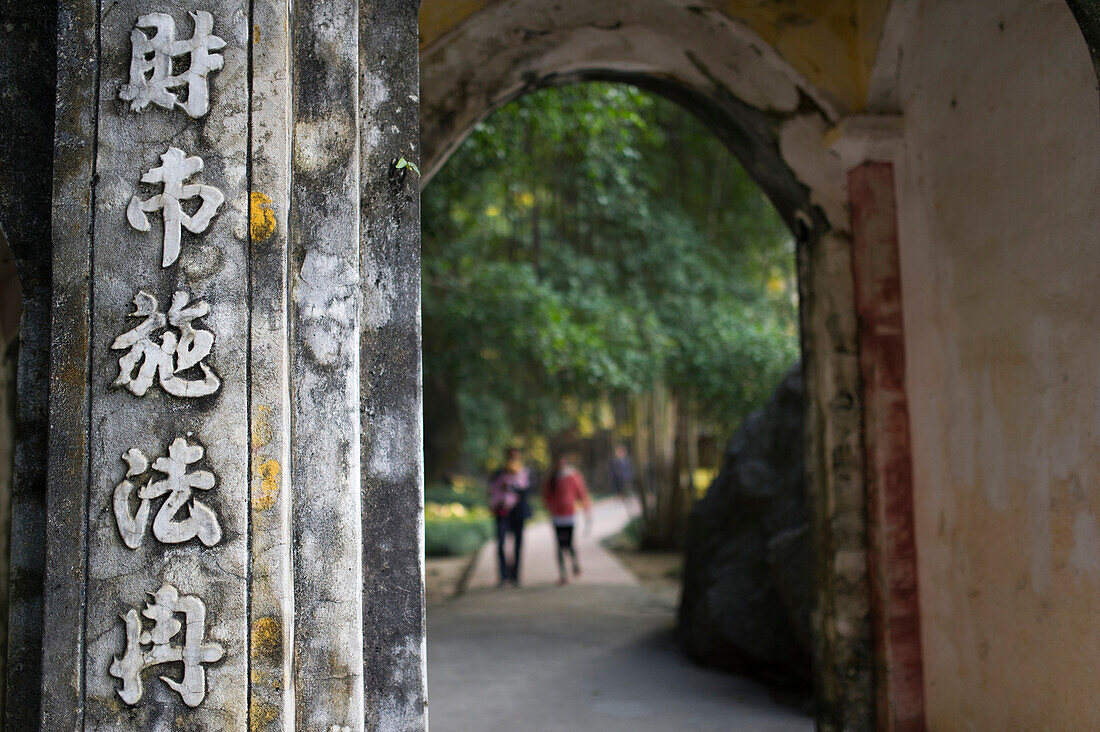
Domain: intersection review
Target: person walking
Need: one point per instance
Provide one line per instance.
(622, 476)
(508, 490)
(563, 490)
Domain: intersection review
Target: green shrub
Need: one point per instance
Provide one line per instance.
(467, 491)
(452, 529)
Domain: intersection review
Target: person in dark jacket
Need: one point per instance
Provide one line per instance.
(508, 491)
(622, 475)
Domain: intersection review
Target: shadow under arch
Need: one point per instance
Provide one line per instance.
(1087, 15)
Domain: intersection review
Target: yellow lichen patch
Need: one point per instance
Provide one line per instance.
(261, 216)
(262, 714)
(267, 640)
(262, 431)
(265, 493)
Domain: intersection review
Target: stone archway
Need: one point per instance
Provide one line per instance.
(773, 120)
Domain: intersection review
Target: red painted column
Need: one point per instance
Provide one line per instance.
(899, 682)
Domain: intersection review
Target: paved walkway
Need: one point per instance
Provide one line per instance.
(595, 655)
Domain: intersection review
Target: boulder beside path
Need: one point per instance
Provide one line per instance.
(748, 573)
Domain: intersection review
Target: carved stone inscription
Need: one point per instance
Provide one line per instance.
(201, 521)
(175, 168)
(152, 58)
(146, 648)
(177, 519)
(174, 354)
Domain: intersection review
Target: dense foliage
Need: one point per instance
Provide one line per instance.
(586, 242)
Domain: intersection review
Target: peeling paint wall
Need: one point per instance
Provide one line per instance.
(831, 42)
(1000, 198)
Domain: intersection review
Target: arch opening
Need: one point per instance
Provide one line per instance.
(774, 121)
(519, 246)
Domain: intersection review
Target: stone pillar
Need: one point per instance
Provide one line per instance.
(843, 669)
(233, 518)
(868, 146)
(390, 385)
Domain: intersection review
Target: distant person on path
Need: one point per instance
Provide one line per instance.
(562, 491)
(508, 490)
(622, 475)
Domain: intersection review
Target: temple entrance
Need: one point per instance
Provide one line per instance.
(243, 179)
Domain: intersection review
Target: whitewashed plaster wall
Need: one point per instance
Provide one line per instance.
(999, 185)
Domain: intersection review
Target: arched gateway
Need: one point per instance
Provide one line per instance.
(228, 319)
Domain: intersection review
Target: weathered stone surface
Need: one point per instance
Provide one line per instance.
(65, 512)
(748, 574)
(843, 668)
(325, 305)
(391, 443)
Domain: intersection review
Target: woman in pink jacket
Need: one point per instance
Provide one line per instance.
(508, 489)
(563, 490)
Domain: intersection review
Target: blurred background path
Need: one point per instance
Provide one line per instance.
(598, 654)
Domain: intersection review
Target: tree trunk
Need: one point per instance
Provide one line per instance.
(663, 460)
(443, 432)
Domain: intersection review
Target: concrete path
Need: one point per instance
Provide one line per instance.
(595, 655)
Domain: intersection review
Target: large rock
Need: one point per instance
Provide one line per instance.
(748, 577)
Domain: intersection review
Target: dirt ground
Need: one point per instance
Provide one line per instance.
(442, 576)
(658, 572)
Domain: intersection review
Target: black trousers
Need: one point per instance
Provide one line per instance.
(565, 537)
(512, 523)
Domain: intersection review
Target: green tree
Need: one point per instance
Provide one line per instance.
(593, 243)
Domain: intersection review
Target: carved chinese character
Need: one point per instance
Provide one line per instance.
(152, 59)
(146, 648)
(201, 521)
(175, 168)
(166, 360)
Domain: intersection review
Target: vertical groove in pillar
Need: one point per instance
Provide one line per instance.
(271, 598)
(324, 372)
(67, 489)
(888, 460)
(392, 430)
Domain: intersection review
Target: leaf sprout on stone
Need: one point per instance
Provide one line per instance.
(403, 163)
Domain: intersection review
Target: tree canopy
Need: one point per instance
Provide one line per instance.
(587, 242)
